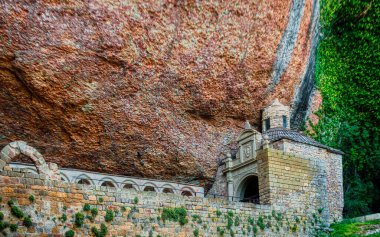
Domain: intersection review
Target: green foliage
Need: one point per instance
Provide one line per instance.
(260, 223)
(63, 218)
(237, 221)
(232, 234)
(352, 228)
(197, 218)
(348, 72)
(1, 216)
(230, 213)
(86, 207)
(196, 233)
(69, 233)
(13, 227)
(99, 233)
(27, 222)
(250, 220)
(175, 214)
(135, 200)
(230, 222)
(17, 212)
(11, 202)
(1, 198)
(218, 213)
(100, 200)
(94, 211)
(79, 219)
(32, 198)
(109, 216)
(3, 225)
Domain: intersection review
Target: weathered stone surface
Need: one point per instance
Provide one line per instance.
(154, 89)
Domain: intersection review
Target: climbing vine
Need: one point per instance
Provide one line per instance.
(348, 72)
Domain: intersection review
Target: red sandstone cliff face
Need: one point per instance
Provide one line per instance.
(148, 88)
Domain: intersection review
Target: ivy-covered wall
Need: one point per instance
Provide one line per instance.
(348, 72)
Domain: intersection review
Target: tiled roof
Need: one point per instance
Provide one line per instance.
(276, 134)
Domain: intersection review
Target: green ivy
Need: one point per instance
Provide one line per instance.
(347, 73)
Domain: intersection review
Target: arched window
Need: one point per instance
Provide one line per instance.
(108, 184)
(149, 189)
(167, 190)
(84, 182)
(186, 193)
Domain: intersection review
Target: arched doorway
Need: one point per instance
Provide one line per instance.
(248, 190)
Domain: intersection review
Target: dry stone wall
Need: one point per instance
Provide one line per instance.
(53, 208)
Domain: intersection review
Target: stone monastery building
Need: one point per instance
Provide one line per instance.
(276, 171)
(282, 166)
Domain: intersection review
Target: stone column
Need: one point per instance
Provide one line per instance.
(230, 184)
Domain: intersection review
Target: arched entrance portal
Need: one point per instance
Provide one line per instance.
(248, 190)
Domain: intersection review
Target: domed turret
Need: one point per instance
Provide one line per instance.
(276, 115)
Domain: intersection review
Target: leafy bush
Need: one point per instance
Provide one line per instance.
(86, 207)
(94, 212)
(27, 222)
(102, 232)
(11, 202)
(196, 233)
(32, 198)
(3, 225)
(13, 227)
(109, 216)
(1, 216)
(100, 200)
(230, 222)
(17, 212)
(63, 218)
(79, 219)
(218, 213)
(175, 214)
(136, 200)
(69, 233)
(260, 223)
(237, 221)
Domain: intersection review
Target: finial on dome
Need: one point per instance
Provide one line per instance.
(247, 125)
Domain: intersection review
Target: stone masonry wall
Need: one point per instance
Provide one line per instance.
(289, 180)
(333, 167)
(48, 202)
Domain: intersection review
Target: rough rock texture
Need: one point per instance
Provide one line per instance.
(148, 88)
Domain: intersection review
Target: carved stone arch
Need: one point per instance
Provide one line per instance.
(188, 192)
(16, 148)
(84, 179)
(167, 188)
(247, 188)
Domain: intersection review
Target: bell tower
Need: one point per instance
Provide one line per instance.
(276, 115)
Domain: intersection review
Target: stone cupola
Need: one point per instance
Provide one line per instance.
(276, 115)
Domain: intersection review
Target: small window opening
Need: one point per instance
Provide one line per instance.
(284, 121)
(267, 124)
(84, 181)
(128, 186)
(186, 193)
(149, 189)
(168, 190)
(108, 184)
